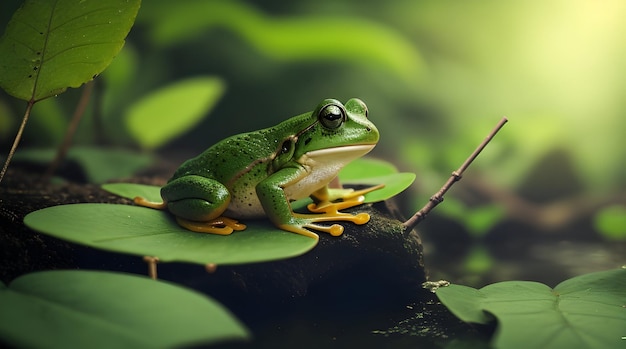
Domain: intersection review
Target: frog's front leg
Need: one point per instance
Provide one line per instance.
(325, 199)
(198, 203)
(271, 193)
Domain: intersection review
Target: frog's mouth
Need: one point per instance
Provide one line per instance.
(324, 164)
(343, 154)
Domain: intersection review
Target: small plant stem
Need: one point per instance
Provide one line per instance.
(98, 123)
(18, 137)
(455, 177)
(70, 132)
(152, 266)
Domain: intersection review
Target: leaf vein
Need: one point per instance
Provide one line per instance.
(72, 19)
(69, 49)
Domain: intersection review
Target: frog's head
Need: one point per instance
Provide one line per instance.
(337, 133)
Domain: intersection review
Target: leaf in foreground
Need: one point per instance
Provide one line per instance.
(588, 311)
(49, 46)
(147, 232)
(92, 309)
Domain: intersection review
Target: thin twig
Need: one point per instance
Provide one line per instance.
(17, 139)
(455, 177)
(70, 132)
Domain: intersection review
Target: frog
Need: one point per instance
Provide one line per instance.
(259, 174)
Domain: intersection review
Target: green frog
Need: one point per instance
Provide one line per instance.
(259, 173)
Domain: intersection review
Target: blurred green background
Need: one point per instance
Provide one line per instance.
(545, 200)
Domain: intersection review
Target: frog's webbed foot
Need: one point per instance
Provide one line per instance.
(328, 211)
(349, 198)
(219, 225)
(308, 222)
(138, 200)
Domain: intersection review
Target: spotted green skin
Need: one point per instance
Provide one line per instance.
(258, 173)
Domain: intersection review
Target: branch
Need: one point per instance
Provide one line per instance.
(455, 177)
(71, 130)
(18, 137)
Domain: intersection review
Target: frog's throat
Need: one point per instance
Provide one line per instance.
(322, 166)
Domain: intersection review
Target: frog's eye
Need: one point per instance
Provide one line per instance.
(286, 147)
(332, 115)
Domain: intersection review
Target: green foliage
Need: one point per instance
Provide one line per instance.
(478, 261)
(166, 113)
(377, 172)
(49, 46)
(132, 190)
(90, 309)
(98, 164)
(586, 311)
(278, 57)
(291, 38)
(611, 222)
(147, 232)
(477, 220)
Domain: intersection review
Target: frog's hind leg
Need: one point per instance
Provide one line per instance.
(190, 216)
(198, 204)
(220, 225)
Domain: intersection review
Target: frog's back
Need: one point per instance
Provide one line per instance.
(234, 154)
(225, 158)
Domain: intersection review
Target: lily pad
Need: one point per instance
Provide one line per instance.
(93, 309)
(372, 166)
(147, 232)
(583, 312)
(377, 172)
(132, 190)
(143, 231)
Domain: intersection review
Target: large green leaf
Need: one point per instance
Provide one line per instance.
(172, 110)
(147, 232)
(583, 312)
(143, 231)
(89, 309)
(50, 45)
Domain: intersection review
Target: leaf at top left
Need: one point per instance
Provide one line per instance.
(50, 45)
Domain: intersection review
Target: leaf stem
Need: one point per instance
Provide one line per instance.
(17, 139)
(152, 266)
(71, 131)
(455, 177)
